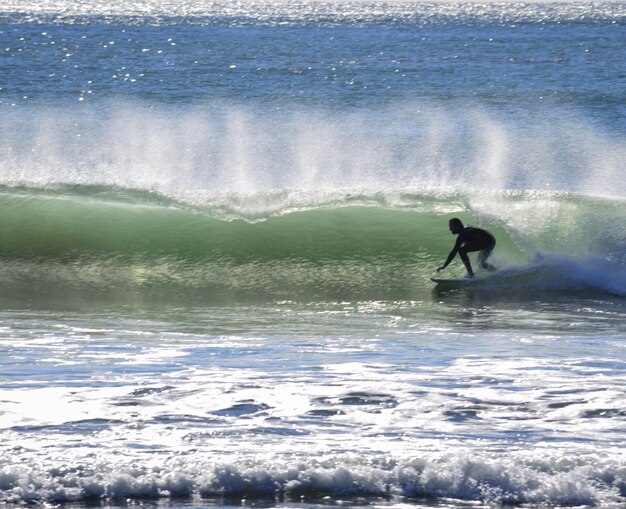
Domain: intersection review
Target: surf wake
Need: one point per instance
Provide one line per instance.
(553, 272)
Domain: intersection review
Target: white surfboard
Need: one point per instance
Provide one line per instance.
(453, 281)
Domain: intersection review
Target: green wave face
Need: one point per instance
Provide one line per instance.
(126, 244)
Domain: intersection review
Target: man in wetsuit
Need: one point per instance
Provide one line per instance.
(470, 239)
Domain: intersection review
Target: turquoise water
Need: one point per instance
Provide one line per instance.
(219, 225)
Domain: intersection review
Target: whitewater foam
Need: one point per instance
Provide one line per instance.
(464, 476)
(557, 272)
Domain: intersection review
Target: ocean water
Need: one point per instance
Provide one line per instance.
(219, 225)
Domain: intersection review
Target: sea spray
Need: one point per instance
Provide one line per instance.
(231, 147)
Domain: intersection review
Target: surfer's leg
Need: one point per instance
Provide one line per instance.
(482, 258)
(466, 261)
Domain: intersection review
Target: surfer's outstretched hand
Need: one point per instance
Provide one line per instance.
(439, 269)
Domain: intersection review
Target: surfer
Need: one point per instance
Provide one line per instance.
(470, 239)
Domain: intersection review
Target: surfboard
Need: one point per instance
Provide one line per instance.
(499, 276)
(453, 281)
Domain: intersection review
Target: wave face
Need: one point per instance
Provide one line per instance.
(350, 245)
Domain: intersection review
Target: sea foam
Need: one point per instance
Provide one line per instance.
(533, 478)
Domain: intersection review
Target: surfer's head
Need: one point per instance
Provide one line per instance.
(455, 225)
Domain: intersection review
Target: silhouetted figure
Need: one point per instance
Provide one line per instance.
(470, 239)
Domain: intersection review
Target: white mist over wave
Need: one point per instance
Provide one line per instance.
(232, 148)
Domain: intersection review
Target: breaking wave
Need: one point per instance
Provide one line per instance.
(555, 481)
(105, 240)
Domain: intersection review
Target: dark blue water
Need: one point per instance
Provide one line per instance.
(506, 67)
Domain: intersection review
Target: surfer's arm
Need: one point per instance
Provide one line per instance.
(452, 254)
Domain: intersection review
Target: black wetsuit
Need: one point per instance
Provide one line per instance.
(472, 239)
